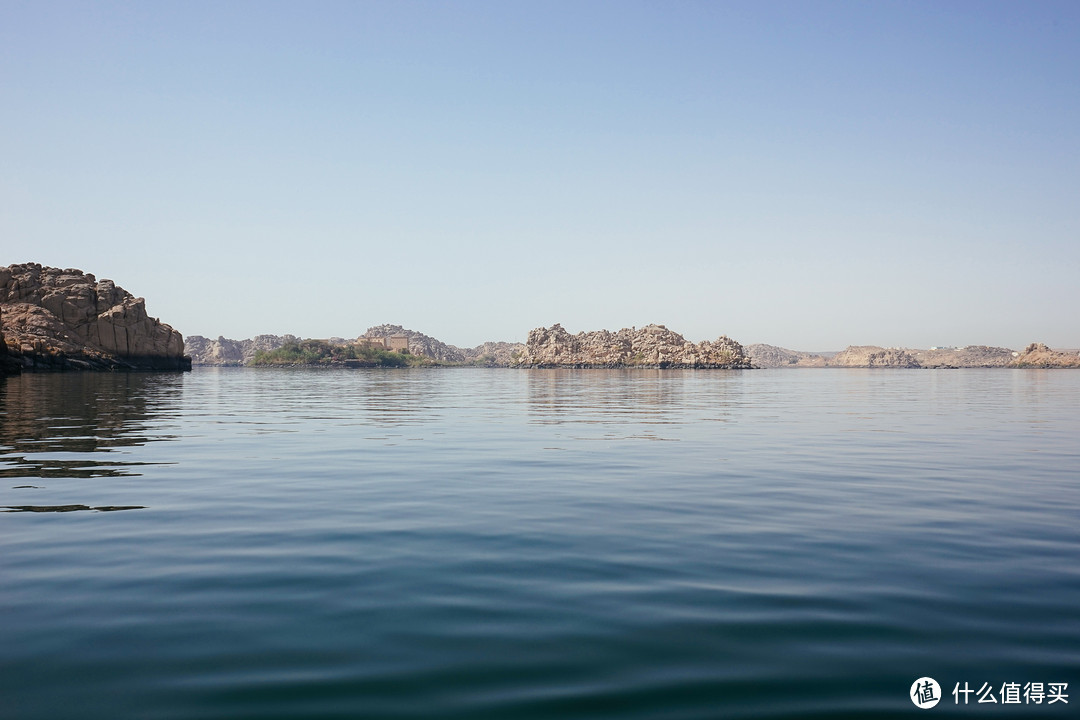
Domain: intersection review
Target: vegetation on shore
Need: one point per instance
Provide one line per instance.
(322, 353)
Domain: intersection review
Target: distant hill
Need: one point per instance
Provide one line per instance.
(771, 356)
(204, 351)
(494, 354)
(873, 356)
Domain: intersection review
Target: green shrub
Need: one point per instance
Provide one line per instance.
(320, 352)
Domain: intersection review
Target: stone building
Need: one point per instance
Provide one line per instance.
(395, 343)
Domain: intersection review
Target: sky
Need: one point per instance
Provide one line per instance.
(805, 174)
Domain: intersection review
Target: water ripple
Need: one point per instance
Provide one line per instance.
(535, 544)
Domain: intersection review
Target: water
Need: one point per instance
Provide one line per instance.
(536, 544)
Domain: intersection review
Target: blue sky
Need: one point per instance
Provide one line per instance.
(809, 174)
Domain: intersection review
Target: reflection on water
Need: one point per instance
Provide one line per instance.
(76, 425)
(649, 397)
(68, 508)
(281, 397)
(641, 545)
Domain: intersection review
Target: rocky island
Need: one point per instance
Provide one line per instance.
(652, 346)
(54, 320)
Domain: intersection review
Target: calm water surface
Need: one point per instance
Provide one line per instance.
(536, 544)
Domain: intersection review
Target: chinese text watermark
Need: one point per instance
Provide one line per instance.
(926, 693)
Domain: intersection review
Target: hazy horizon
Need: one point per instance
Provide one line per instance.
(808, 175)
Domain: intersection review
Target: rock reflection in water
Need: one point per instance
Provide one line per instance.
(68, 508)
(652, 397)
(50, 423)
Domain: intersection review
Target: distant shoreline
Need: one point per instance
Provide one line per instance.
(58, 320)
(601, 350)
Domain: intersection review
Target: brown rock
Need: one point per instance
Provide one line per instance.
(964, 357)
(650, 346)
(419, 343)
(771, 356)
(494, 354)
(1037, 355)
(223, 351)
(67, 319)
(9, 365)
(873, 356)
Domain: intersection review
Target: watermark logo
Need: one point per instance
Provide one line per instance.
(925, 693)
(1033, 693)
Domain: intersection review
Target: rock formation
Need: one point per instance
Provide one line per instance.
(1037, 355)
(771, 356)
(874, 357)
(57, 319)
(9, 365)
(650, 346)
(419, 343)
(969, 356)
(204, 351)
(223, 351)
(491, 354)
(494, 354)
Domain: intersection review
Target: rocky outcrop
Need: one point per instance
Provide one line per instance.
(9, 365)
(1037, 355)
(494, 354)
(964, 357)
(971, 356)
(651, 346)
(419, 343)
(490, 354)
(223, 351)
(771, 356)
(57, 319)
(874, 357)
